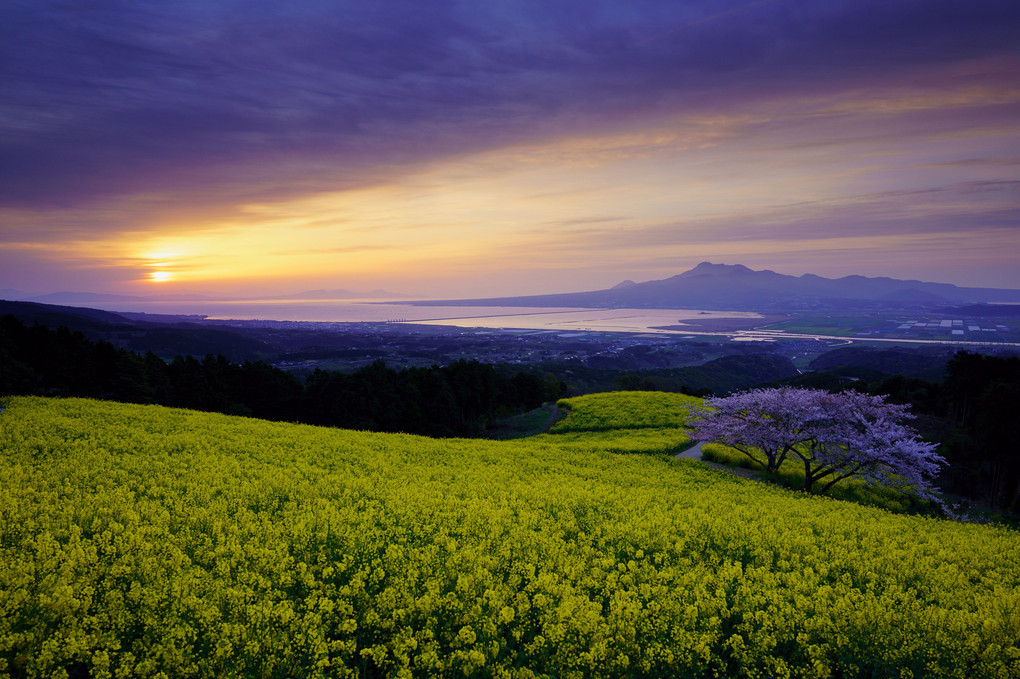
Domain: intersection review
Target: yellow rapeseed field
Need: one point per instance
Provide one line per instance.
(140, 541)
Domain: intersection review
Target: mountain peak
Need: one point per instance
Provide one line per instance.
(735, 286)
(710, 269)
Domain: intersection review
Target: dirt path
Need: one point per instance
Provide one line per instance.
(554, 414)
(694, 453)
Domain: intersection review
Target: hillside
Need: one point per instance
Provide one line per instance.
(136, 540)
(167, 337)
(721, 375)
(927, 363)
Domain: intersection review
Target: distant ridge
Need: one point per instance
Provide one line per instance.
(56, 315)
(78, 298)
(82, 298)
(985, 311)
(734, 286)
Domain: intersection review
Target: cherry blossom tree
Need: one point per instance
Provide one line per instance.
(763, 424)
(835, 436)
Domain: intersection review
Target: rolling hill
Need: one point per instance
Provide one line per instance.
(164, 335)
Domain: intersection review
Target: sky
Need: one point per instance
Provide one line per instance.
(466, 149)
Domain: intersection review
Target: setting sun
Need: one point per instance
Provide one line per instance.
(160, 276)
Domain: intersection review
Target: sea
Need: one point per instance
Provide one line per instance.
(347, 311)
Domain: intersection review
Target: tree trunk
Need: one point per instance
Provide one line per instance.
(808, 478)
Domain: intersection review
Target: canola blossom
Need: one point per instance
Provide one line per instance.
(141, 541)
(625, 411)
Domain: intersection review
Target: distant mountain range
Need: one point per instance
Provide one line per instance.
(724, 286)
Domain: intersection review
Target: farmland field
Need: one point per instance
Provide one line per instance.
(152, 542)
(901, 325)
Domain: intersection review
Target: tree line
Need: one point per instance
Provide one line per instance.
(452, 400)
(972, 414)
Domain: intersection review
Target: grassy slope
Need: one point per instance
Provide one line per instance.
(624, 410)
(143, 539)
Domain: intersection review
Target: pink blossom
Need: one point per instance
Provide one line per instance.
(835, 436)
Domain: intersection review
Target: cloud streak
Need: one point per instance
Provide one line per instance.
(106, 98)
(472, 130)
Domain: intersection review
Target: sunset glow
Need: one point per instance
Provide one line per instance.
(541, 161)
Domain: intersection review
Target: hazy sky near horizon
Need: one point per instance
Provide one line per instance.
(503, 147)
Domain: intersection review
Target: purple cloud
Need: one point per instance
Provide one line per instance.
(104, 98)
